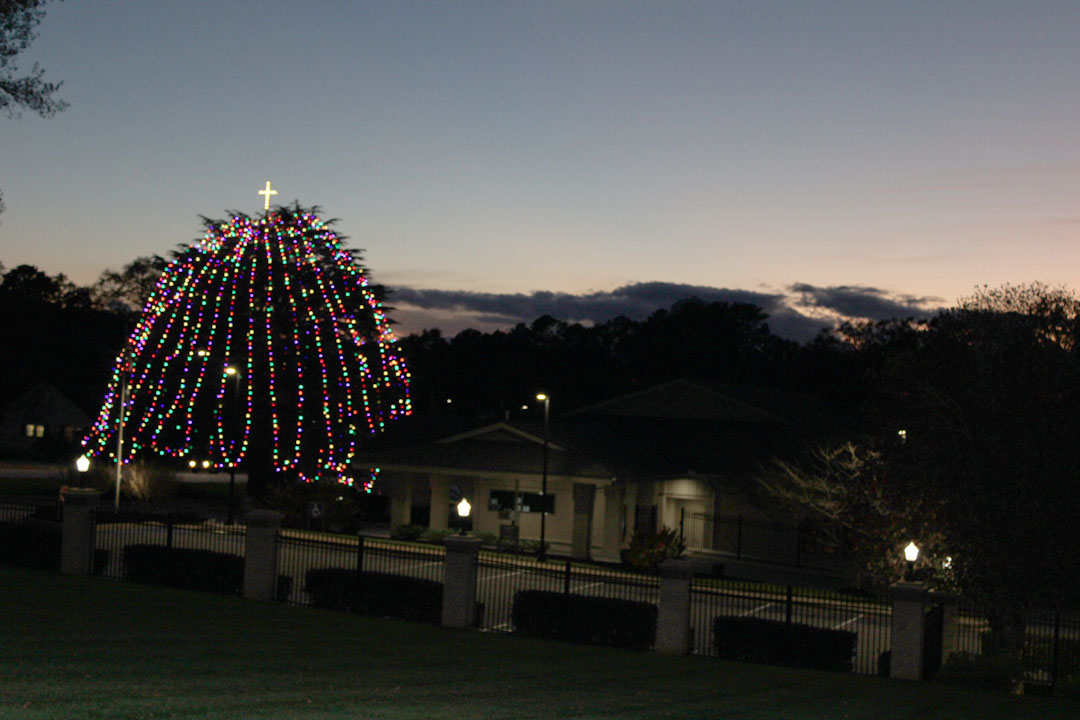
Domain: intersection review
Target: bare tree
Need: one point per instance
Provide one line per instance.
(18, 20)
(30, 91)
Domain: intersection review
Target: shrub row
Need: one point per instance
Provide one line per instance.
(36, 544)
(999, 671)
(31, 544)
(186, 568)
(1038, 655)
(779, 643)
(585, 619)
(986, 672)
(378, 594)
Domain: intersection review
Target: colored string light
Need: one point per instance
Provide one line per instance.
(314, 361)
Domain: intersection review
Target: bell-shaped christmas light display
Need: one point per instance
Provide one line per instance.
(262, 343)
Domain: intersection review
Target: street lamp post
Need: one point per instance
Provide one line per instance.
(235, 375)
(120, 436)
(911, 554)
(542, 554)
(128, 356)
(463, 510)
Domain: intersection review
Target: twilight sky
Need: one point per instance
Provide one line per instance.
(500, 160)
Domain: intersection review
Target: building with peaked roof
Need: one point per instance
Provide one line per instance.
(41, 421)
(500, 468)
(635, 462)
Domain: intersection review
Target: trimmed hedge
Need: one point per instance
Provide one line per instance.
(36, 544)
(585, 619)
(378, 594)
(986, 672)
(31, 544)
(1037, 655)
(185, 568)
(778, 643)
(407, 532)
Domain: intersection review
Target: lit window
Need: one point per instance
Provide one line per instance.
(35, 431)
(527, 502)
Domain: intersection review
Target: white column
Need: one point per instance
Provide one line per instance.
(908, 618)
(260, 554)
(77, 531)
(673, 614)
(459, 581)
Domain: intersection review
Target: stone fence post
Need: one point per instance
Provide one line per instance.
(673, 614)
(260, 554)
(459, 581)
(908, 621)
(77, 531)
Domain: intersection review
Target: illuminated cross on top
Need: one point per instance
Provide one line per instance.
(267, 193)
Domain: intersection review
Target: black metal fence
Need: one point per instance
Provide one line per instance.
(867, 616)
(300, 552)
(501, 576)
(16, 509)
(1051, 652)
(803, 545)
(30, 532)
(115, 532)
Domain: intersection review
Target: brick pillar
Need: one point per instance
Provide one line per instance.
(673, 615)
(584, 498)
(908, 618)
(401, 500)
(77, 531)
(260, 554)
(459, 581)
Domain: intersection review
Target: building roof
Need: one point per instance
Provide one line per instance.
(676, 429)
(682, 400)
(497, 449)
(45, 405)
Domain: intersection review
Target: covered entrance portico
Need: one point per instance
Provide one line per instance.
(499, 468)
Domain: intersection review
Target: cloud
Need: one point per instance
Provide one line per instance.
(856, 301)
(452, 310)
(635, 301)
(798, 314)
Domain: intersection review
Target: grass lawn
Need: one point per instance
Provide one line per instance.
(91, 648)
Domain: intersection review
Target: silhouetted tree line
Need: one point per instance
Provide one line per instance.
(487, 374)
(66, 335)
(966, 442)
(62, 334)
(54, 332)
